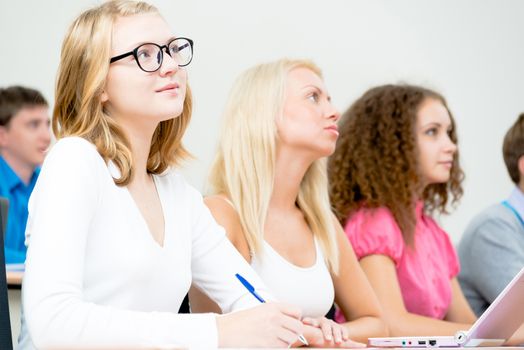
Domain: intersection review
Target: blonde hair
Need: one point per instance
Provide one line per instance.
(244, 165)
(82, 74)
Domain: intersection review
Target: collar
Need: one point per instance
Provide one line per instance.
(516, 199)
(11, 179)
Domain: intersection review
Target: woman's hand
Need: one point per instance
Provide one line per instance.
(267, 325)
(322, 332)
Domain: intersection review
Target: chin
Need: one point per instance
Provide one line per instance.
(172, 115)
(440, 179)
(324, 153)
(37, 162)
(328, 150)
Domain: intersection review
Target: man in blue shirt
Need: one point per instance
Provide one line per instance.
(24, 139)
(491, 250)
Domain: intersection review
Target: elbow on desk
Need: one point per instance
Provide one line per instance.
(51, 324)
(383, 327)
(396, 324)
(45, 335)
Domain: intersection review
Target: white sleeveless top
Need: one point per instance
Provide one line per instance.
(310, 288)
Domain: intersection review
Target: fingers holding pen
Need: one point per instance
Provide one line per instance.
(293, 324)
(266, 325)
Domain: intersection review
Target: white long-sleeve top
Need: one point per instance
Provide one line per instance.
(95, 275)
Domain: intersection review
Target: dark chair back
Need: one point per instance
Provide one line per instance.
(6, 341)
(184, 307)
(4, 205)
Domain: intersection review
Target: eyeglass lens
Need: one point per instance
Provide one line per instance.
(150, 56)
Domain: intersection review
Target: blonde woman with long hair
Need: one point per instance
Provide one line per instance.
(271, 195)
(116, 234)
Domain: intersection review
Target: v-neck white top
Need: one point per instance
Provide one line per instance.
(95, 275)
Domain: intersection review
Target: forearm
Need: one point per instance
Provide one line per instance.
(464, 316)
(408, 324)
(68, 323)
(459, 311)
(517, 339)
(365, 327)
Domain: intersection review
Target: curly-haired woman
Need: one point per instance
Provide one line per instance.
(396, 162)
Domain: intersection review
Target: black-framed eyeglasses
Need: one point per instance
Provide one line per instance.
(149, 56)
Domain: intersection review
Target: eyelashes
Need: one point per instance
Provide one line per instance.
(314, 96)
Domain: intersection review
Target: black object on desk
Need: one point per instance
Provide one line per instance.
(184, 307)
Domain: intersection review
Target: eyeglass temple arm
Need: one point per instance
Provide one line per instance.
(116, 58)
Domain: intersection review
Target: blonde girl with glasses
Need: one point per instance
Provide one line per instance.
(116, 236)
(270, 193)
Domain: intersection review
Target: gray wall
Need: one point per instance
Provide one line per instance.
(470, 51)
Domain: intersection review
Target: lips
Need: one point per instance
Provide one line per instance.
(168, 88)
(332, 128)
(447, 163)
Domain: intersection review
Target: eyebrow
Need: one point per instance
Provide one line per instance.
(132, 47)
(437, 124)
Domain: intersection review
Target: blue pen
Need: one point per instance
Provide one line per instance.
(253, 292)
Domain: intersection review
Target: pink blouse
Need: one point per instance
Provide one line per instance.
(423, 273)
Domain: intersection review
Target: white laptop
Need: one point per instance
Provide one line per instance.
(497, 324)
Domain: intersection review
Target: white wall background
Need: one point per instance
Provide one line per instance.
(471, 51)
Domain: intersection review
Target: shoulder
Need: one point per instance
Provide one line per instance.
(224, 213)
(495, 224)
(7, 177)
(372, 216)
(73, 156)
(375, 231)
(372, 221)
(73, 150)
(220, 204)
(73, 144)
(495, 214)
(226, 216)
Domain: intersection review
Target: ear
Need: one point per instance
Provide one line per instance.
(521, 166)
(3, 136)
(103, 97)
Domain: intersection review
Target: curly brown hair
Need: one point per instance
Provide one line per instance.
(375, 162)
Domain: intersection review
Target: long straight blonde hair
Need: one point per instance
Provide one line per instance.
(244, 165)
(78, 111)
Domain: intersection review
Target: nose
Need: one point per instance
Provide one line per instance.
(450, 146)
(332, 113)
(45, 133)
(169, 65)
